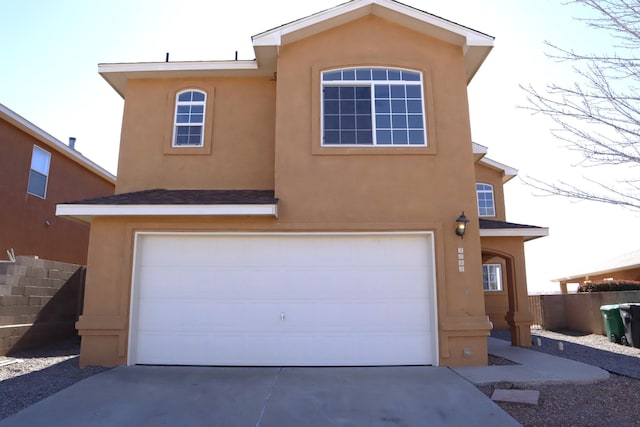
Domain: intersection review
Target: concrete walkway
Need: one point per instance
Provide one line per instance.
(533, 368)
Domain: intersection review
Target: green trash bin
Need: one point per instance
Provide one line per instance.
(613, 322)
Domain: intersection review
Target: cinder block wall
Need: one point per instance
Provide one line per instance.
(39, 302)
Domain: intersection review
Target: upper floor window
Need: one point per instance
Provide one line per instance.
(39, 172)
(492, 277)
(486, 205)
(373, 106)
(189, 119)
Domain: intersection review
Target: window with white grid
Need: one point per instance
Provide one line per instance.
(373, 106)
(486, 205)
(189, 119)
(492, 277)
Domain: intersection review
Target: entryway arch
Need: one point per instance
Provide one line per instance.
(516, 304)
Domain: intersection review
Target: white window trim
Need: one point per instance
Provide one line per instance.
(46, 175)
(175, 118)
(493, 199)
(498, 267)
(371, 84)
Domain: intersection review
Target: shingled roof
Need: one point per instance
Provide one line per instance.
(185, 197)
(490, 224)
(161, 202)
(493, 228)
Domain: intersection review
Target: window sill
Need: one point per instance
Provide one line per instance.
(372, 150)
(171, 150)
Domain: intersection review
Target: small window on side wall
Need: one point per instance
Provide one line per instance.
(492, 277)
(189, 119)
(39, 172)
(486, 205)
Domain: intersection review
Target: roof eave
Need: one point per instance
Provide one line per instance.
(479, 151)
(85, 213)
(475, 45)
(117, 74)
(29, 128)
(527, 233)
(508, 173)
(597, 273)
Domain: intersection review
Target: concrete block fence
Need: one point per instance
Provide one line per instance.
(577, 312)
(40, 301)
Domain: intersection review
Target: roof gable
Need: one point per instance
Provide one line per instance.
(29, 128)
(507, 171)
(479, 155)
(475, 45)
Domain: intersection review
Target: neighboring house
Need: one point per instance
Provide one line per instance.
(622, 267)
(300, 208)
(37, 172)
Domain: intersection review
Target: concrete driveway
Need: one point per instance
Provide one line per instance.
(267, 397)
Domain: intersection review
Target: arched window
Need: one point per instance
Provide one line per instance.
(189, 119)
(373, 106)
(486, 205)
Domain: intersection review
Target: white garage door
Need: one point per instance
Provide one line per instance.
(283, 300)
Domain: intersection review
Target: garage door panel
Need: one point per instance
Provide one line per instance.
(172, 282)
(329, 250)
(237, 299)
(300, 350)
(207, 316)
(233, 247)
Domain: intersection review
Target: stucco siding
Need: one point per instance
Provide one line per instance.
(487, 175)
(24, 217)
(239, 136)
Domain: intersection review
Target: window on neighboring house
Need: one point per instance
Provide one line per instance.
(189, 119)
(372, 106)
(486, 206)
(492, 277)
(39, 173)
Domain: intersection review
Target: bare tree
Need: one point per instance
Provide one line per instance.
(599, 114)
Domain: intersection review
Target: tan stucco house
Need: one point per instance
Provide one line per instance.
(301, 208)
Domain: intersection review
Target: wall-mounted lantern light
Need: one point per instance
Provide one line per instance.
(462, 225)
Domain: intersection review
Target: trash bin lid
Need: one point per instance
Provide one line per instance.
(609, 307)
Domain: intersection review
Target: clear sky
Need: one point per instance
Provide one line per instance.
(48, 74)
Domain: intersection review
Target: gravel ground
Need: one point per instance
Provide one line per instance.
(45, 371)
(592, 349)
(36, 374)
(611, 402)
